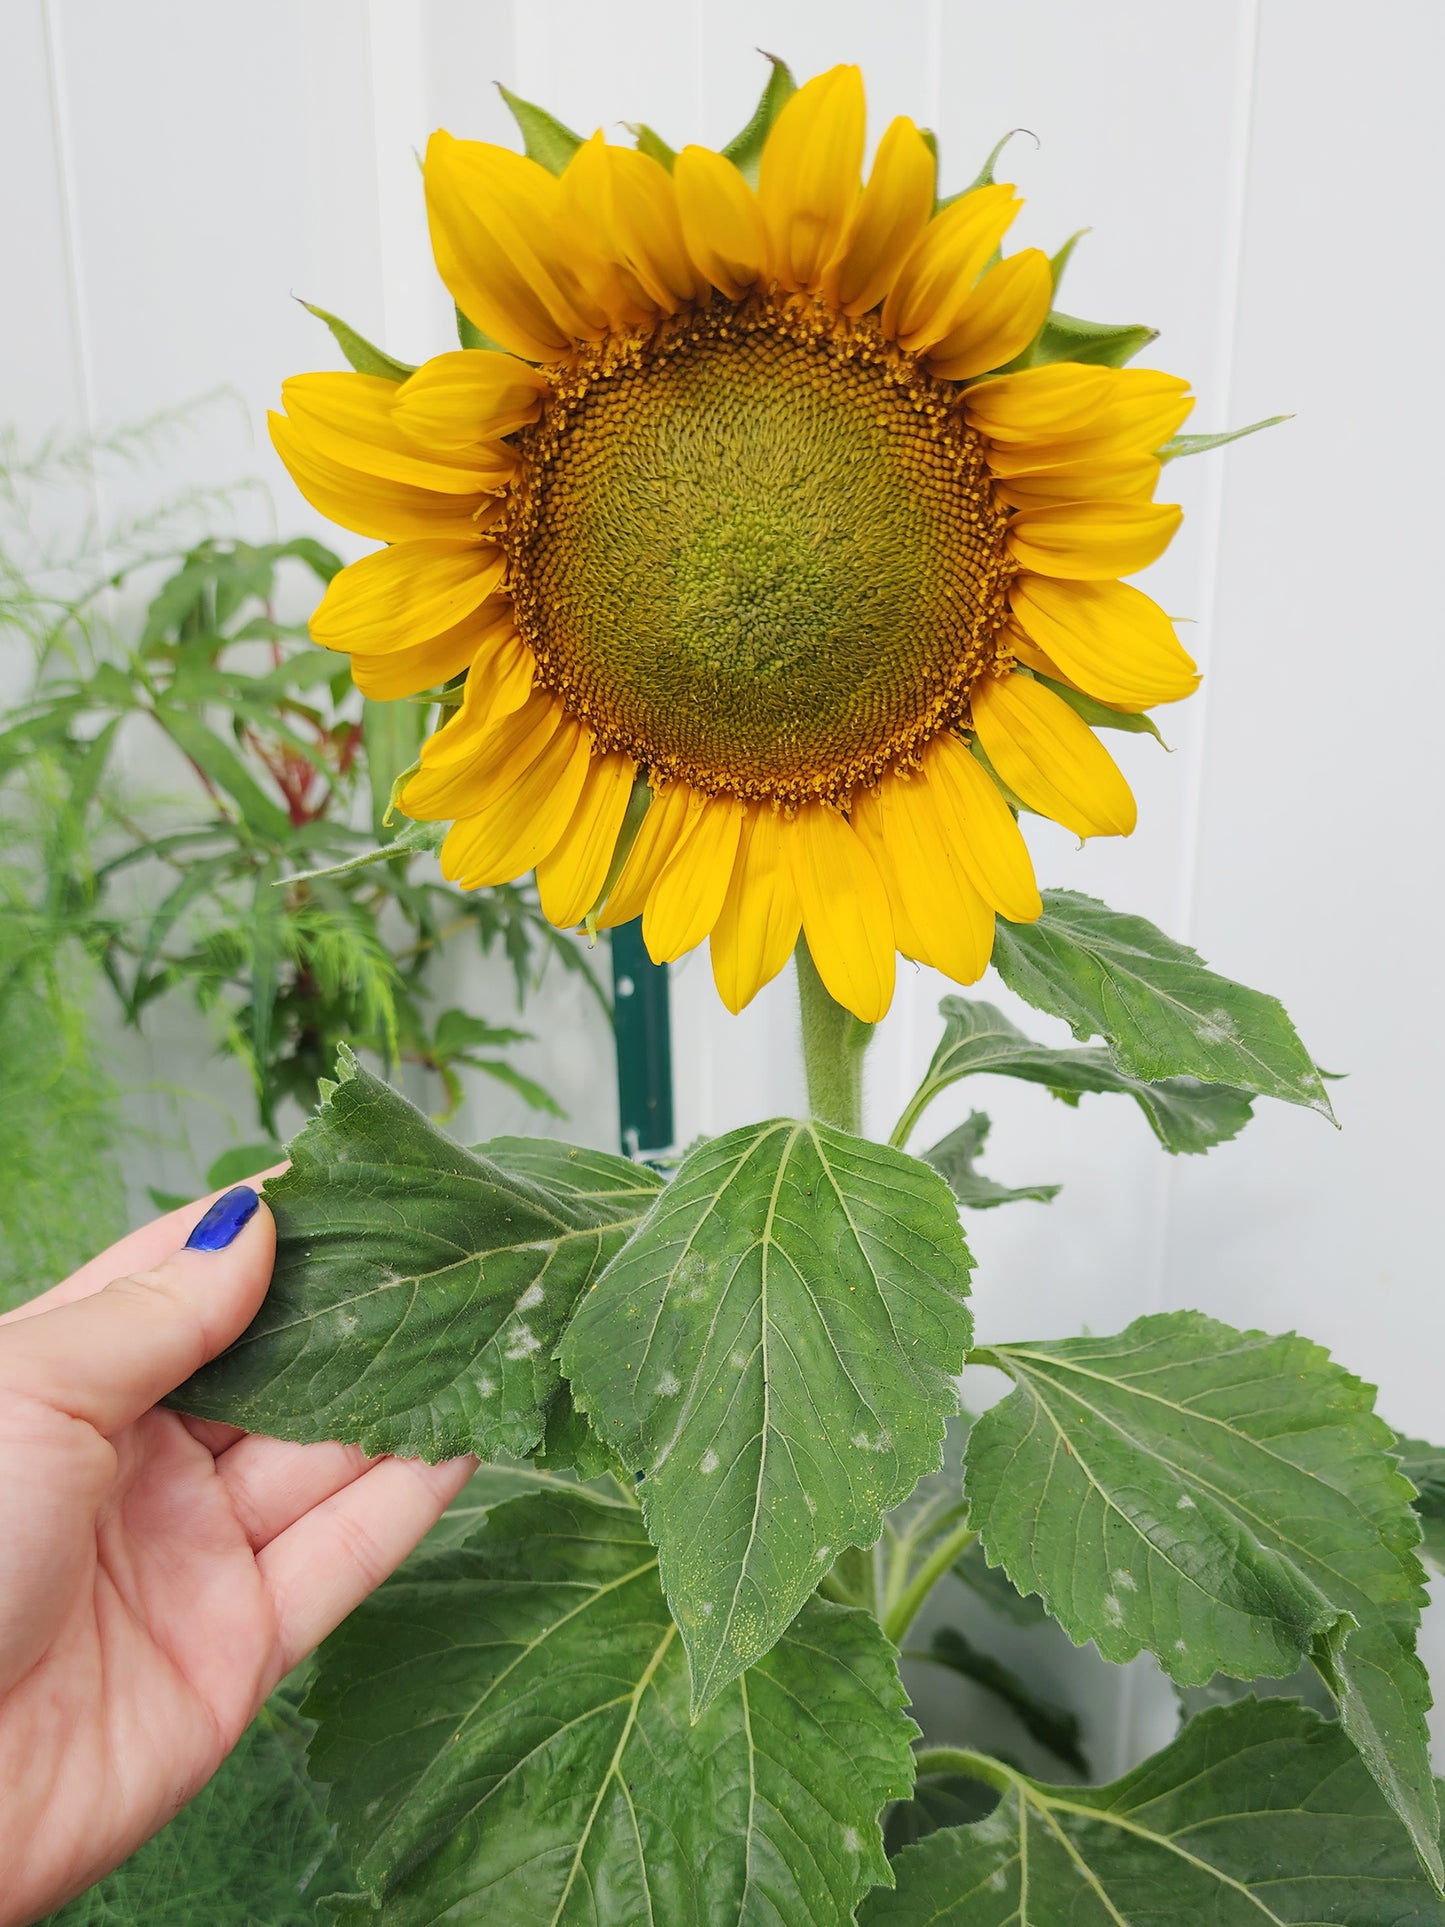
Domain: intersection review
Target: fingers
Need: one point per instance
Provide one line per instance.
(111, 1356)
(325, 1565)
(137, 1251)
(271, 1484)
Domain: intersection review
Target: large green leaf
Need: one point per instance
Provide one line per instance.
(774, 1352)
(505, 1731)
(419, 1287)
(1424, 1466)
(1230, 1502)
(1162, 1012)
(978, 1039)
(1258, 1814)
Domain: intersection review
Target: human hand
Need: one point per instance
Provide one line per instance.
(158, 1574)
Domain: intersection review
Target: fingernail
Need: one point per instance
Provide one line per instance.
(225, 1220)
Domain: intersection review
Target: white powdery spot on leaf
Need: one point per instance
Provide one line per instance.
(669, 1385)
(998, 1880)
(706, 1609)
(825, 1552)
(1218, 1027)
(850, 1839)
(1125, 1581)
(524, 1343)
(864, 1443)
(1186, 1504)
(739, 1361)
(486, 1387)
(709, 1462)
(531, 1298)
(1181, 1645)
(1113, 1611)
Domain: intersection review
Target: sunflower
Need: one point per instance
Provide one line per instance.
(766, 560)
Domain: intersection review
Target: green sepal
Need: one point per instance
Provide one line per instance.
(745, 150)
(651, 143)
(1099, 715)
(1179, 445)
(544, 137)
(1064, 337)
(985, 175)
(364, 356)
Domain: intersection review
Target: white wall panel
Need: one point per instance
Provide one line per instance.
(1262, 180)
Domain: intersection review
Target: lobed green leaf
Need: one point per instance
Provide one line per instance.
(1227, 1500)
(1257, 1815)
(419, 1288)
(774, 1351)
(505, 1731)
(954, 1157)
(1160, 1009)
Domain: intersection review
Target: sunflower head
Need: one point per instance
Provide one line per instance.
(773, 545)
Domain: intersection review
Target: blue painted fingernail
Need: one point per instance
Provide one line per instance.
(225, 1220)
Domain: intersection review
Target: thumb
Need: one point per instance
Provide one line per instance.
(108, 1358)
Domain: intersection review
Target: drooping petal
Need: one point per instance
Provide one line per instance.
(685, 901)
(671, 818)
(981, 826)
(405, 594)
(570, 878)
(518, 827)
(721, 221)
(846, 917)
(369, 504)
(494, 219)
(1007, 309)
(1050, 758)
(471, 395)
(1092, 541)
(475, 757)
(808, 175)
(1130, 478)
(938, 915)
(352, 419)
(935, 283)
(757, 927)
(1108, 637)
(892, 212)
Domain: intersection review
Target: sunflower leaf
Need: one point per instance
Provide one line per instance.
(1424, 1466)
(504, 1729)
(544, 137)
(745, 150)
(1227, 1501)
(1158, 1006)
(953, 1157)
(1179, 445)
(365, 358)
(1053, 1726)
(1258, 1813)
(978, 1039)
(774, 1351)
(419, 1288)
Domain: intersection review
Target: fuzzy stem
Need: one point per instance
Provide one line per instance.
(834, 1041)
(961, 1760)
(910, 1602)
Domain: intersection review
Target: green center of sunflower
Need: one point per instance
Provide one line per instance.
(756, 549)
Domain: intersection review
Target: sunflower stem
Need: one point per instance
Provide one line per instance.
(834, 1041)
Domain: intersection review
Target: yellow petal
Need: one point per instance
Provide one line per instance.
(352, 419)
(808, 175)
(514, 831)
(757, 927)
(1050, 758)
(935, 284)
(1037, 403)
(671, 818)
(405, 594)
(1005, 312)
(981, 826)
(721, 221)
(939, 917)
(1143, 409)
(635, 203)
(684, 903)
(1092, 541)
(503, 670)
(892, 212)
(494, 219)
(1128, 478)
(369, 504)
(391, 674)
(588, 226)
(846, 917)
(570, 879)
(471, 395)
(1108, 637)
(475, 757)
